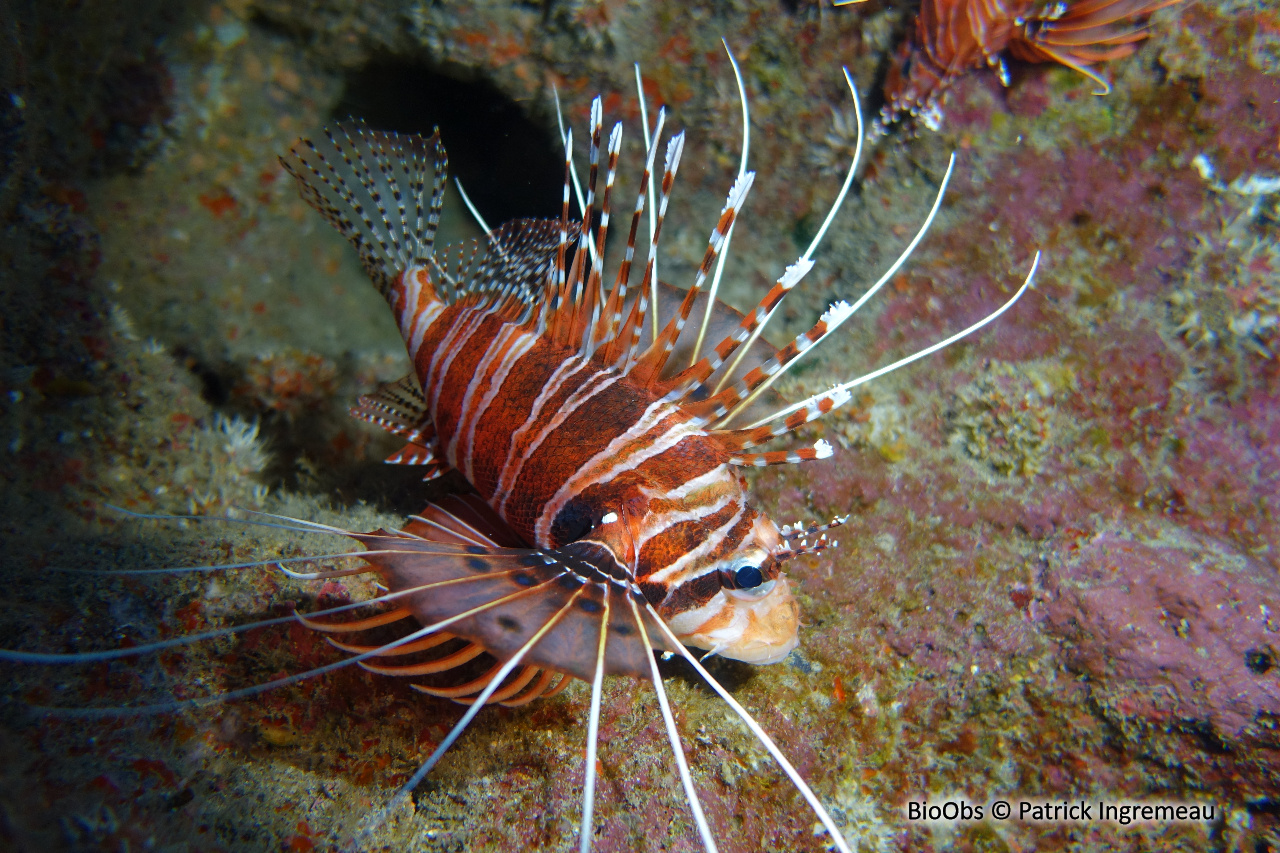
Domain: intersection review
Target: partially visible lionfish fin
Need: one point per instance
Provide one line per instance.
(1087, 33)
(953, 37)
(412, 454)
(371, 186)
(465, 519)
(516, 265)
(399, 408)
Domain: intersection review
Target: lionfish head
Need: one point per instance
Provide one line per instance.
(719, 586)
(752, 615)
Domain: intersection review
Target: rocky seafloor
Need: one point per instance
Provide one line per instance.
(1058, 580)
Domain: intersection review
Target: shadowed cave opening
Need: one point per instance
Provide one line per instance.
(510, 164)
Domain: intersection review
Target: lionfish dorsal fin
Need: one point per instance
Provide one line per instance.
(610, 323)
(630, 334)
(650, 365)
(565, 327)
(588, 316)
(372, 187)
(740, 393)
(513, 270)
(691, 379)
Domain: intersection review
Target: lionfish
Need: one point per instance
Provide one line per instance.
(609, 520)
(954, 37)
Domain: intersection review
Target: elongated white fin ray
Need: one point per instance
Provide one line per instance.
(714, 290)
(218, 567)
(149, 648)
(644, 124)
(189, 639)
(673, 734)
(842, 390)
(573, 172)
(767, 742)
(840, 313)
(593, 735)
(295, 525)
(480, 701)
(324, 575)
(255, 689)
(471, 208)
(807, 257)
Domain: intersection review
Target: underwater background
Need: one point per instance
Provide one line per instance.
(1059, 578)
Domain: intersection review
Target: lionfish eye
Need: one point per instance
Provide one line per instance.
(748, 577)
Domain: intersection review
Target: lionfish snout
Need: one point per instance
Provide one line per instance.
(752, 617)
(759, 626)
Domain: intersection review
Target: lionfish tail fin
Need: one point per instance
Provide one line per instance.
(372, 186)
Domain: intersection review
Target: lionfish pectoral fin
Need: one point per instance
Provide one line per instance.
(511, 593)
(465, 519)
(491, 688)
(461, 543)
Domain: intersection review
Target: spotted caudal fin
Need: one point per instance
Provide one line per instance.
(373, 187)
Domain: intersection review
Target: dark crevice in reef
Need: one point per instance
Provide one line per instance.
(509, 165)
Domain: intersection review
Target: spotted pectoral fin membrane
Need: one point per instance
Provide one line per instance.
(505, 595)
(464, 520)
(399, 408)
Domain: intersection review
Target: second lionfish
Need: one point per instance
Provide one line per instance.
(951, 38)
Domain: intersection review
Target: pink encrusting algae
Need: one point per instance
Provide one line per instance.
(959, 642)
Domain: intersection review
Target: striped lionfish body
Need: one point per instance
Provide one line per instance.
(579, 444)
(954, 37)
(609, 518)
